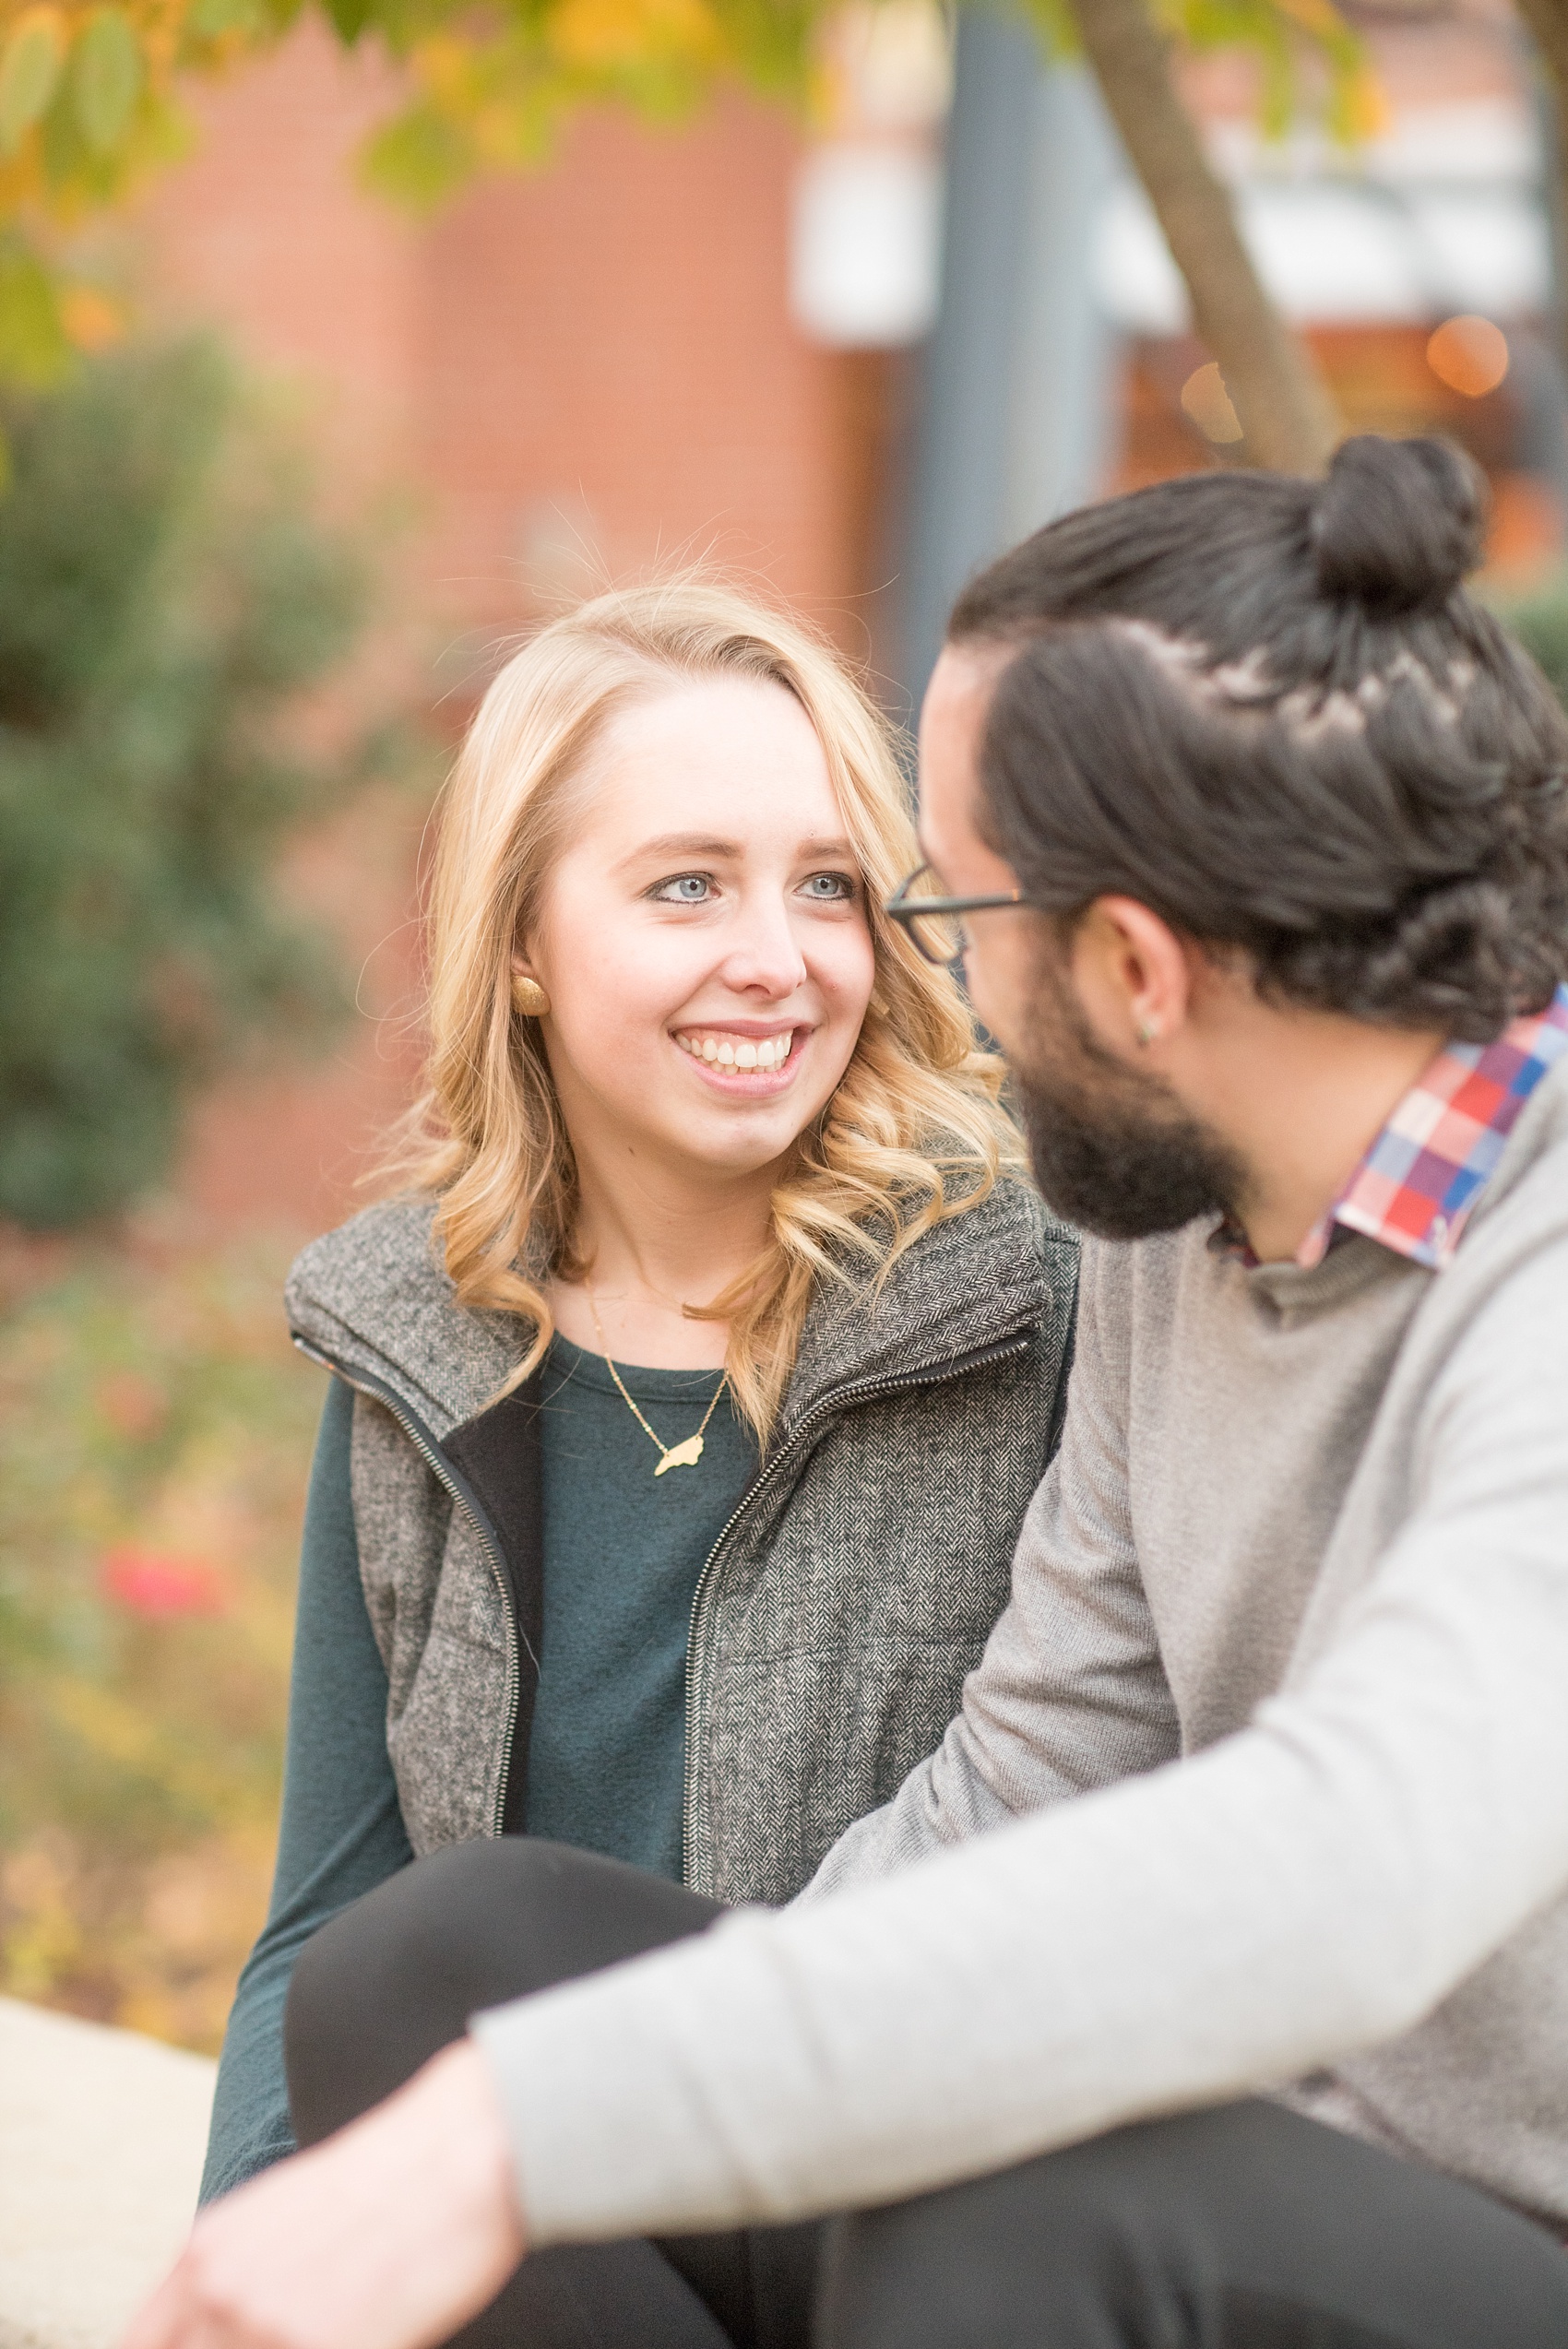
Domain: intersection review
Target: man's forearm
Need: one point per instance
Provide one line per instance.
(1308, 1888)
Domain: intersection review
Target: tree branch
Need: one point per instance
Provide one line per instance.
(1280, 399)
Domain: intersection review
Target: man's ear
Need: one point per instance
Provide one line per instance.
(1132, 974)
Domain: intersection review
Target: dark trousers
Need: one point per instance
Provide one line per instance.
(1243, 2227)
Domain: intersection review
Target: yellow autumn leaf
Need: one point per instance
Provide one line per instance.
(444, 63)
(92, 320)
(1320, 18)
(600, 34)
(1363, 109)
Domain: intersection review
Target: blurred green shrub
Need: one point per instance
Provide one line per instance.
(166, 595)
(1538, 617)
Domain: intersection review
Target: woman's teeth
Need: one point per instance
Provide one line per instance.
(738, 1052)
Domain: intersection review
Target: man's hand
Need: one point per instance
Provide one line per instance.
(388, 2236)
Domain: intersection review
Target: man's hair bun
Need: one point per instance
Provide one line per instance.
(1397, 523)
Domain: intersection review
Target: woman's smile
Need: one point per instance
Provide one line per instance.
(747, 1058)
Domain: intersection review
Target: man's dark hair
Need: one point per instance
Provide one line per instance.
(1268, 709)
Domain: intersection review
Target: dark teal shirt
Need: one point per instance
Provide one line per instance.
(623, 1551)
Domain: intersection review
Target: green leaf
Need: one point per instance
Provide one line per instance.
(209, 19)
(108, 74)
(350, 18)
(1052, 19)
(419, 159)
(29, 69)
(1279, 97)
(34, 351)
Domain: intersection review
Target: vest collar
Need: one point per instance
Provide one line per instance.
(370, 1301)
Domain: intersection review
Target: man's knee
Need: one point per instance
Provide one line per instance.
(1032, 2258)
(1219, 2225)
(1102, 2244)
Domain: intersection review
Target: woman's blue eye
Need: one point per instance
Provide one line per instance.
(830, 888)
(686, 889)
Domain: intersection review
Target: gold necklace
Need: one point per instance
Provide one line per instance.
(672, 1455)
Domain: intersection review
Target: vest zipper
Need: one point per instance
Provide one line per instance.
(869, 1390)
(425, 1443)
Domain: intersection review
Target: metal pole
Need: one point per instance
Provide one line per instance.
(1061, 420)
(1016, 389)
(959, 489)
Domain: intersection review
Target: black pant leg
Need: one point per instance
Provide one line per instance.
(760, 2281)
(1245, 2228)
(396, 1975)
(395, 1978)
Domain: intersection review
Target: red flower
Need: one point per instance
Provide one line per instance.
(151, 1582)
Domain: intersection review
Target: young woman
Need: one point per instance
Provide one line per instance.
(686, 1403)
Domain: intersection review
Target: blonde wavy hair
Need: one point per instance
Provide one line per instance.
(914, 1131)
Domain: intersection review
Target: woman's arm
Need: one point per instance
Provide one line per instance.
(341, 1832)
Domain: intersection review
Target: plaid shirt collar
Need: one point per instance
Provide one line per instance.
(1418, 1185)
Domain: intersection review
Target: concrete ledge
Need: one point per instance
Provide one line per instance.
(101, 2136)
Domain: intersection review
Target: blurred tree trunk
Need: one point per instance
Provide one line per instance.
(1280, 399)
(1548, 21)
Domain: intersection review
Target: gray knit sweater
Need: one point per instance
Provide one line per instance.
(1261, 1783)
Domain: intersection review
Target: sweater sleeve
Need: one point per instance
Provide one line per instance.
(1312, 1886)
(1071, 1692)
(342, 1832)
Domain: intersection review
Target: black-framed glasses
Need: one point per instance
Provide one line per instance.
(934, 922)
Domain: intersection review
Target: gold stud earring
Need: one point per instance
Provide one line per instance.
(529, 996)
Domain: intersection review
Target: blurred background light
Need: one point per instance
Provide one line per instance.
(1471, 355)
(866, 245)
(1206, 401)
(1441, 212)
(865, 214)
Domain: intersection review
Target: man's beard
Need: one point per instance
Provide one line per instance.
(1112, 1149)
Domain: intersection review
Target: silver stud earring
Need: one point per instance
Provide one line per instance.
(530, 997)
(1148, 1029)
